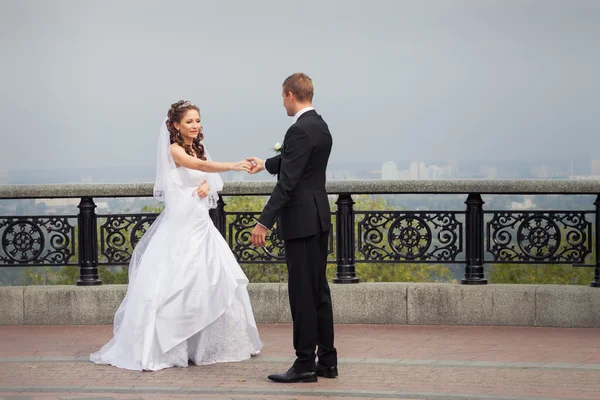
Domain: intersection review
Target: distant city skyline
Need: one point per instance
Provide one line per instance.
(420, 170)
(449, 169)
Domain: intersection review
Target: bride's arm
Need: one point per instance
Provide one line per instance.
(182, 158)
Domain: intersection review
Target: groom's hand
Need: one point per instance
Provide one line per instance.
(259, 236)
(257, 165)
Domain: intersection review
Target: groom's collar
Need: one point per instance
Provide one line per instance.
(301, 112)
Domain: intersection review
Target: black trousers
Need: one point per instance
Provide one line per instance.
(310, 301)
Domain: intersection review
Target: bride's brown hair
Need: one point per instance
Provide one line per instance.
(175, 114)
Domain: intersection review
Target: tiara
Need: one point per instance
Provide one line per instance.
(185, 104)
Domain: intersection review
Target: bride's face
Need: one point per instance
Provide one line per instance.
(189, 126)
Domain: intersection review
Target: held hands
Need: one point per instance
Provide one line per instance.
(257, 165)
(244, 165)
(252, 165)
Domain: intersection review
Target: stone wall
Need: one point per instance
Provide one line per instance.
(363, 303)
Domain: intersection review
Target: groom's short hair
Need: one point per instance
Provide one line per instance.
(300, 85)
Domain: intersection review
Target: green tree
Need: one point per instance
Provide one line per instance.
(540, 274)
(559, 274)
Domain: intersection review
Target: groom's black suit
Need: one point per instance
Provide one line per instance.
(299, 204)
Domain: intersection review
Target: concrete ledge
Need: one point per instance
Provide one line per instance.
(568, 306)
(265, 301)
(447, 304)
(365, 186)
(370, 303)
(364, 303)
(71, 305)
(11, 305)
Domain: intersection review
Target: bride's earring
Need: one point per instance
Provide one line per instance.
(179, 135)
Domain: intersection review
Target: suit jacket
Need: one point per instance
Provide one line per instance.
(299, 201)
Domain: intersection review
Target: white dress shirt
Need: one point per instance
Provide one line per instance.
(299, 113)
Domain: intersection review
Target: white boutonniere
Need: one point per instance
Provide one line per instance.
(277, 147)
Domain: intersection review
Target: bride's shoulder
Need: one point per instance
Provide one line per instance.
(176, 153)
(176, 149)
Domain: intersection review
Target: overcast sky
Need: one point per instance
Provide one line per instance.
(87, 83)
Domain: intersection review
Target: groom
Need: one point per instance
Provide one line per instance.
(299, 203)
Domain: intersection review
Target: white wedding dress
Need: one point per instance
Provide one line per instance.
(187, 297)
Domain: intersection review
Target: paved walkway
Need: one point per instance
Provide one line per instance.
(377, 361)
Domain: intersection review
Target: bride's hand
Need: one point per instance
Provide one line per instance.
(243, 165)
(203, 190)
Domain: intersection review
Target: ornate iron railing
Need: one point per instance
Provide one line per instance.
(366, 236)
(37, 240)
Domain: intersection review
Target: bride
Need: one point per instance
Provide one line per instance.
(187, 298)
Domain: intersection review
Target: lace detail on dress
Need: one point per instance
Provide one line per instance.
(213, 200)
(225, 340)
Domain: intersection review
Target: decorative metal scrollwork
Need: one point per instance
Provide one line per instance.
(539, 236)
(409, 236)
(240, 240)
(37, 240)
(120, 234)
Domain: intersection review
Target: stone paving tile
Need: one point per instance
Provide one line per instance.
(410, 342)
(376, 361)
(249, 378)
(90, 396)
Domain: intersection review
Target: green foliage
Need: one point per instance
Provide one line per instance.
(113, 275)
(70, 274)
(245, 203)
(540, 274)
(157, 209)
(403, 273)
(11, 276)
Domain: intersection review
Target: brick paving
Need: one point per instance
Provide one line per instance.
(376, 361)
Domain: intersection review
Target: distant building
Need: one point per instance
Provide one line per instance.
(527, 204)
(436, 172)
(489, 172)
(542, 172)
(414, 170)
(389, 170)
(423, 171)
(404, 175)
(452, 169)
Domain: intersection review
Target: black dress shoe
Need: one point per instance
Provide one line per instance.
(327, 372)
(291, 376)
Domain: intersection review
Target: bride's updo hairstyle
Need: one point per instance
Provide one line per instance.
(176, 114)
